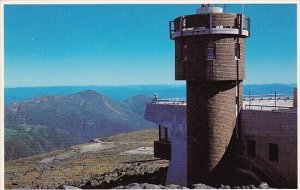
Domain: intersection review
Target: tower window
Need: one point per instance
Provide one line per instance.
(237, 51)
(211, 52)
(185, 52)
(251, 149)
(273, 152)
(163, 133)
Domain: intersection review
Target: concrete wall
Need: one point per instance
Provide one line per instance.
(172, 117)
(280, 128)
(263, 127)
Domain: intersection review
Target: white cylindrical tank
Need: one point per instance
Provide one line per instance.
(205, 10)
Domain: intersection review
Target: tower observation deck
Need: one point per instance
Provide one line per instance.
(210, 56)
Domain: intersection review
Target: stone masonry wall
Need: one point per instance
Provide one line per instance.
(211, 118)
(191, 52)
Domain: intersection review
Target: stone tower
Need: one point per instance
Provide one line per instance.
(210, 56)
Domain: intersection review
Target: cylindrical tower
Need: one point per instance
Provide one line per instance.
(210, 56)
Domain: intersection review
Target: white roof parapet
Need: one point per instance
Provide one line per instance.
(205, 31)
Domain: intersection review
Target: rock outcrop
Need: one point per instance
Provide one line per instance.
(131, 173)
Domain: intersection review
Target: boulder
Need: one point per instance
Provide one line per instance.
(263, 185)
(201, 186)
(133, 186)
(225, 187)
(69, 187)
(150, 186)
(173, 186)
(119, 187)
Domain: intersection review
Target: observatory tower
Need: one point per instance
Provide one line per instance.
(210, 56)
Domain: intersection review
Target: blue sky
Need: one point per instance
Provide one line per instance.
(60, 45)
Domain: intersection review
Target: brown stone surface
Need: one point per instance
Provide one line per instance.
(196, 67)
(211, 90)
(211, 120)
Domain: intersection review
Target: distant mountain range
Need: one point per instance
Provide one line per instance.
(121, 93)
(39, 120)
(116, 93)
(50, 122)
(137, 103)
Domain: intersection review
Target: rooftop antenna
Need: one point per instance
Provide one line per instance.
(243, 6)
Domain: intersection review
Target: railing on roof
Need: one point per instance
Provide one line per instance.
(176, 101)
(239, 28)
(269, 97)
(267, 108)
(283, 97)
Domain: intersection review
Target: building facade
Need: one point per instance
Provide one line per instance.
(195, 135)
(267, 147)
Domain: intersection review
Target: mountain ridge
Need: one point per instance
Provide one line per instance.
(83, 116)
(121, 93)
(137, 103)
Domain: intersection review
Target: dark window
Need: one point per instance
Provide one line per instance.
(185, 53)
(251, 149)
(237, 51)
(163, 133)
(211, 52)
(273, 152)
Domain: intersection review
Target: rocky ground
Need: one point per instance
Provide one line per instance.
(84, 163)
(124, 161)
(141, 175)
(195, 186)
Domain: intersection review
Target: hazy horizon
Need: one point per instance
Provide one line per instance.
(112, 85)
(123, 85)
(121, 93)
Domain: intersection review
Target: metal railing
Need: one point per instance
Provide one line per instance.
(176, 101)
(171, 29)
(246, 25)
(266, 108)
(242, 24)
(268, 97)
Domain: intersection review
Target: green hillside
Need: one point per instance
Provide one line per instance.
(27, 140)
(137, 103)
(61, 121)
